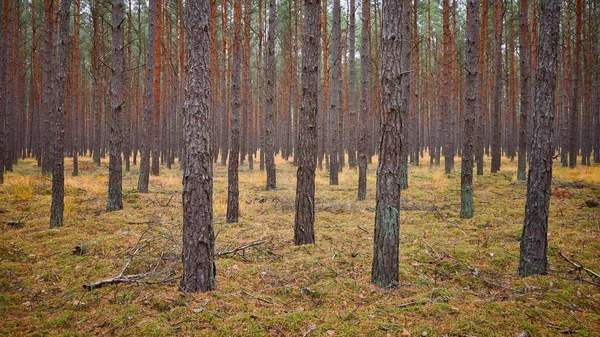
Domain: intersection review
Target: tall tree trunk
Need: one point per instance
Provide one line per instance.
(49, 94)
(496, 128)
(148, 101)
(198, 238)
(233, 192)
(76, 90)
(524, 59)
(115, 167)
(157, 109)
(365, 71)
(596, 106)
(335, 93)
(58, 172)
(352, 86)
(3, 57)
(246, 86)
(270, 98)
(307, 140)
(471, 107)
(575, 92)
(447, 112)
(483, 106)
(534, 240)
(395, 90)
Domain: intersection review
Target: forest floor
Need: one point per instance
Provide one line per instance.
(458, 277)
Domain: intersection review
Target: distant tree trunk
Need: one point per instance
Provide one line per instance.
(58, 172)
(115, 168)
(247, 96)
(352, 120)
(447, 113)
(334, 93)
(324, 97)
(148, 101)
(261, 91)
(471, 107)
(233, 192)
(224, 97)
(198, 238)
(364, 99)
(483, 107)
(157, 110)
(596, 104)
(496, 128)
(534, 240)
(49, 94)
(3, 57)
(10, 12)
(576, 88)
(525, 60)
(76, 90)
(395, 85)
(307, 140)
(270, 98)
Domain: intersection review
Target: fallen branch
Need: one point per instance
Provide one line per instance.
(240, 248)
(115, 280)
(593, 275)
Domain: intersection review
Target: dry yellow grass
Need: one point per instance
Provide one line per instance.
(458, 276)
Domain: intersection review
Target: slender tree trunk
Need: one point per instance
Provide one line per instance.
(496, 128)
(233, 192)
(247, 96)
(576, 91)
(198, 238)
(471, 106)
(49, 95)
(483, 106)
(596, 106)
(115, 167)
(307, 140)
(395, 90)
(3, 57)
(58, 172)
(352, 120)
(364, 99)
(447, 113)
(148, 101)
(270, 98)
(157, 107)
(524, 59)
(76, 90)
(334, 93)
(534, 240)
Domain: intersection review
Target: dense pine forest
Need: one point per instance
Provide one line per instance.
(300, 167)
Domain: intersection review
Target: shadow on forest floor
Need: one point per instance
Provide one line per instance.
(458, 277)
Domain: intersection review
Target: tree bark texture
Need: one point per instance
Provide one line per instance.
(496, 127)
(270, 98)
(58, 172)
(525, 65)
(534, 239)
(115, 167)
(395, 91)
(198, 237)
(364, 100)
(352, 127)
(335, 101)
(148, 101)
(233, 192)
(307, 140)
(471, 107)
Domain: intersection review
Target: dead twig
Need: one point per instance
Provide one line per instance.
(240, 248)
(579, 267)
